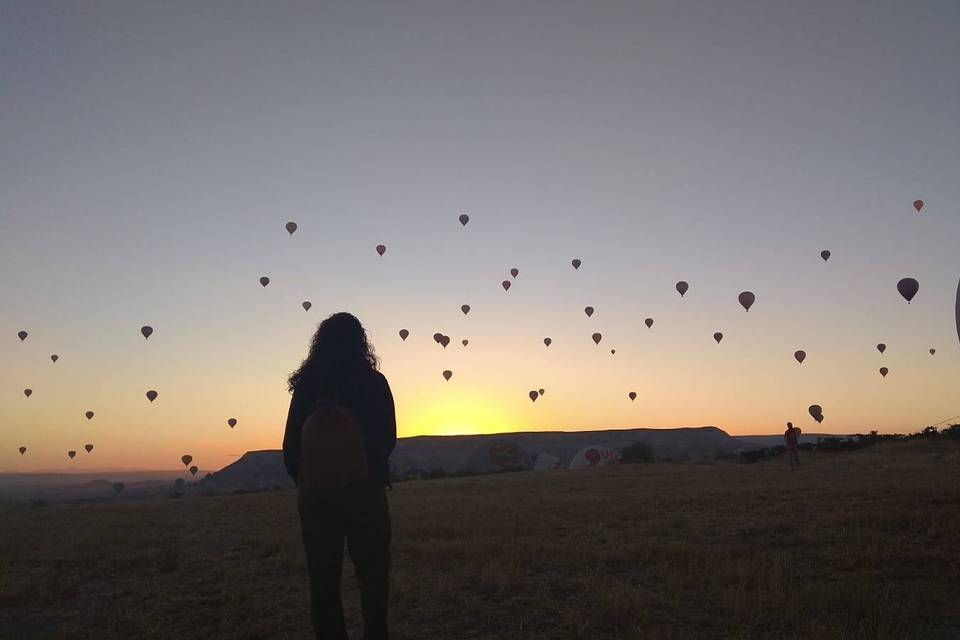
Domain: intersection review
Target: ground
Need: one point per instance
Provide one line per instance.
(850, 545)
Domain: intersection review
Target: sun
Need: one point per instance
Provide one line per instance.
(461, 413)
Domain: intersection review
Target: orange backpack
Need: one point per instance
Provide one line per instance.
(331, 448)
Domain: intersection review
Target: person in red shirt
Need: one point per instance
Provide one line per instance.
(790, 438)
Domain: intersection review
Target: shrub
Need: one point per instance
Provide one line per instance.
(638, 452)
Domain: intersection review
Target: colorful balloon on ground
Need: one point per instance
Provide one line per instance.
(118, 487)
(193, 470)
(22, 450)
(533, 395)
(465, 308)
(146, 331)
(404, 334)
(506, 285)
(291, 227)
(881, 347)
(89, 415)
(264, 281)
(825, 255)
(596, 338)
(186, 459)
(682, 287)
(71, 454)
(576, 263)
(718, 337)
(381, 249)
(884, 371)
(746, 299)
(54, 358)
(88, 447)
(800, 355)
(588, 311)
(22, 335)
(152, 395)
(547, 342)
(648, 322)
(514, 272)
(231, 422)
(306, 304)
(908, 288)
(464, 219)
(28, 392)
(918, 204)
(632, 395)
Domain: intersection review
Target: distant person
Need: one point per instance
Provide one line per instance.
(790, 438)
(341, 430)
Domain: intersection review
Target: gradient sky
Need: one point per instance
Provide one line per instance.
(150, 154)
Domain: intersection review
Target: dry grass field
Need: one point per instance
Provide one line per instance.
(851, 545)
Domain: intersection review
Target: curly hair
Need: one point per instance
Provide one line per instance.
(339, 348)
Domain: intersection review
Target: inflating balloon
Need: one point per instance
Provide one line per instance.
(306, 304)
(514, 272)
(547, 341)
(746, 299)
(381, 249)
(881, 347)
(465, 308)
(186, 459)
(231, 422)
(118, 487)
(464, 219)
(28, 392)
(193, 470)
(718, 337)
(908, 288)
(632, 395)
(264, 281)
(588, 311)
(682, 288)
(576, 263)
(152, 395)
(54, 358)
(918, 204)
(825, 255)
(89, 415)
(291, 227)
(71, 454)
(22, 450)
(533, 395)
(597, 338)
(648, 322)
(447, 374)
(22, 335)
(884, 371)
(800, 355)
(506, 285)
(146, 331)
(404, 334)
(88, 447)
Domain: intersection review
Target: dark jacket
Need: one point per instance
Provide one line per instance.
(367, 394)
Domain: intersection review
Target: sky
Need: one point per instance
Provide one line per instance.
(151, 154)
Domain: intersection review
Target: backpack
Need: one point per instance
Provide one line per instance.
(332, 453)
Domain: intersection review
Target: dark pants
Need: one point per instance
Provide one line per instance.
(358, 514)
(794, 456)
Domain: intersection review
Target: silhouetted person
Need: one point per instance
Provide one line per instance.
(340, 432)
(790, 438)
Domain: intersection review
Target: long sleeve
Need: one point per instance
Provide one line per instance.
(300, 406)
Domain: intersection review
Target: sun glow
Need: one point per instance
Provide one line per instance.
(463, 412)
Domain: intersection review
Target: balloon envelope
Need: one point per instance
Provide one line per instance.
(576, 263)
(186, 459)
(146, 331)
(918, 204)
(540, 392)
(632, 395)
(306, 304)
(22, 450)
(682, 287)
(71, 454)
(800, 355)
(381, 249)
(588, 311)
(881, 347)
(884, 371)
(291, 227)
(28, 392)
(718, 337)
(404, 334)
(825, 255)
(193, 470)
(444, 340)
(54, 357)
(464, 342)
(465, 308)
(908, 288)
(464, 219)
(547, 341)
(231, 422)
(533, 395)
(514, 272)
(746, 299)
(648, 322)
(88, 447)
(447, 374)
(22, 335)
(597, 338)
(506, 285)
(89, 415)
(264, 281)
(152, 395)
(932, 351)
(815, 410)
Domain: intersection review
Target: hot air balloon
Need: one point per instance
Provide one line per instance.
(746, 299)
(22, 335)
(547, 341)
(464, 219)
(54, 358)
(881, 347)
(404, 334)
(588, 311)
(186, 459)
(381, 249)
(825, 255)
(447, 374)
(444, 341)
(89, 415)
(438, 337)
(908, 288)
(632, 395)
(682, 287)
(264, 281)
(291, 227)
(718, 337)
(816, 412)
(22, 450)
(597, 338)
(540, 392)
(533, 395)
(648, 322)
(71, 454)
(306, 304)
(932, 351)
(506, 285)
(800, 355)
(918, 204)
(514, 272)
(465, 308)
(576, 263)
(178, 483)
(152, 395)
(146, 331)
(884, 371)
(464, 342)
(118, 487)
(231, 422)
(194, 469)
(28, 392)
(613, 352)
(88, 447)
